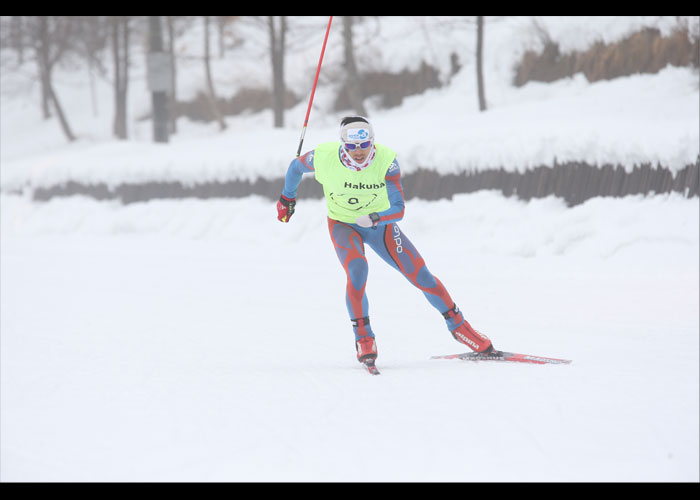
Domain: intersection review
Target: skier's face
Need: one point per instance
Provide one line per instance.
(358, 154)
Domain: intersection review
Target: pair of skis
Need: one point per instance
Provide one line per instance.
(497, 356)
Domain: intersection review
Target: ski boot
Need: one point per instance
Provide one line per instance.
(365, 344)
(366, 349)
(463, 333)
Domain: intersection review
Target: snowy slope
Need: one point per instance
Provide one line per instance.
(189, 340)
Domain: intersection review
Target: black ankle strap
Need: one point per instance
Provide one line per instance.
(454, 311)
(360, 321)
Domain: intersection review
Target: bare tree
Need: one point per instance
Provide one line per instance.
(211, 95)
(172, 96)
(51, 43)
(221, 22)
(479, 62)
(120, 53)
(277, 29)
(159, 80)
(354, 83)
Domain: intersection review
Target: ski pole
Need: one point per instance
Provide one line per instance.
(313, 90)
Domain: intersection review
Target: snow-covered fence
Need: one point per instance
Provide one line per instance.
(574, 182)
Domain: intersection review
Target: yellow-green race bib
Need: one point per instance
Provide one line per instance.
(351, 193)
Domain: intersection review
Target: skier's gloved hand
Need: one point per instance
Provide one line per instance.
(285, 208)
(370, 220)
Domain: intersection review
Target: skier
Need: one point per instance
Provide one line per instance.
(364, 197)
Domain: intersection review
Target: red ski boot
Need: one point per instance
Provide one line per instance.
(364, 340)
(463, 332)
(366, 349)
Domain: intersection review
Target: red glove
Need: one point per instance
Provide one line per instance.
(285, 208)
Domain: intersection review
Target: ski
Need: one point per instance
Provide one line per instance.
(371, 367)
(504, 356)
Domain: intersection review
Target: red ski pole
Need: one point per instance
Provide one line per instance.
(313, 91)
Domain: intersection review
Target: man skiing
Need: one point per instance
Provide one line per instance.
(364, 197)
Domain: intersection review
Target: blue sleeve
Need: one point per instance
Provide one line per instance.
(296, 170)
(395, 191)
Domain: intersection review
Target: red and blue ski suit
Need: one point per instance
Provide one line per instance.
(390, 243)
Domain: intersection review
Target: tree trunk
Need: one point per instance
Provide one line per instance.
(44, 60)
(159, 79)
(59, 112)
(277, 35)
(211, 97)
(221, 32)
(479, 61)
(172, 97)
(114, 21)
(120, 52)
(353, 82)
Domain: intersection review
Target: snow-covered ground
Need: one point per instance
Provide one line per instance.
(188, 340)
(204, 341)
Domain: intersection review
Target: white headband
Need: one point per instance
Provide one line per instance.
(356, 132)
